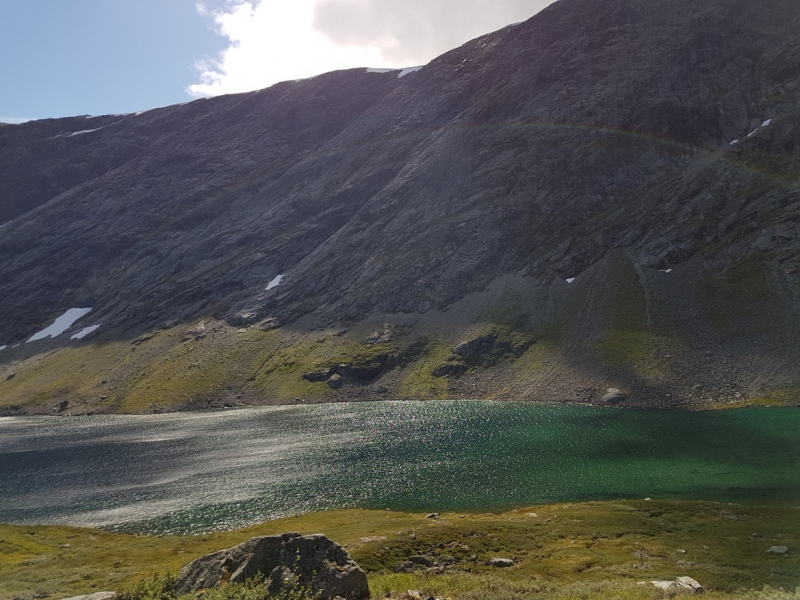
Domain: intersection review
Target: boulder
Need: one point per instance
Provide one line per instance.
(501, 562)
(312, 561)
(314, 376)
(666, 585)
(688, 582)
(421, 559)
(405, 567)
(613, 395)
(680, 584)
(336, 381)
(778, 550)
(94, 596)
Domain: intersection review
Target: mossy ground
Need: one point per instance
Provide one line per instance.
(588, 550)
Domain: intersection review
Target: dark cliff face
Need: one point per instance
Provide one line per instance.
(596, 130)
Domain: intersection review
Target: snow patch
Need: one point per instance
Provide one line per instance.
(766, 123)
(83, 131)
(570, 279)
(734, 142)
(91, 130)
(371, 70)
(408, 70)
(665, 270)
(3, 348)
(752, 133)
(61, 324)
(275, 282)
(84, 332)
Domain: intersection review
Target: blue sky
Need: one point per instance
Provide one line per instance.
(76, 57)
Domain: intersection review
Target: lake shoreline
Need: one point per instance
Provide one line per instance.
(212, 406)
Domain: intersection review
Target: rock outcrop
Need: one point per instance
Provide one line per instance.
(684, 585)
(313, 562)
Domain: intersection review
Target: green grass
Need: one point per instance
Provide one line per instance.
(779, 397)
(628, 339)
(564, 551)
(418, 379)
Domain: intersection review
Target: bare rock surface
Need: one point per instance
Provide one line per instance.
(501, 562)
(312, 561)
(685, 585)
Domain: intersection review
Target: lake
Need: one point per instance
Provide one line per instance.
(195, 472)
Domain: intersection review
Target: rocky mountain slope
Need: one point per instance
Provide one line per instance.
(604, 196)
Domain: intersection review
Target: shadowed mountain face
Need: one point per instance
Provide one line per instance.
(594, 141)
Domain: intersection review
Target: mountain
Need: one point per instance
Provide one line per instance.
(363, 234)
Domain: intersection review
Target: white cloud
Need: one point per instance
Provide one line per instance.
(416, 31)
(280, 40)
(273, 41)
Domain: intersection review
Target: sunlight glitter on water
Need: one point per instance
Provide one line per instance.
(185, 473)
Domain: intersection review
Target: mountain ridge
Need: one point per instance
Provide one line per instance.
(592, 142)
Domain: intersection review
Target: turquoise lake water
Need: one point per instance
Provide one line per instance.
(186, 473)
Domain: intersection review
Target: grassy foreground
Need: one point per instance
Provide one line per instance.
(588, 550)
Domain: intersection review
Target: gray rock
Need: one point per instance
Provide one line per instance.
(315, 376)
(423, 560)
(432, 516)
(680, 584)
(501, 562)
(613, 396)
(316, 562)
(281, 580)
(688, 582)
(269, 324)
(778, 550)
(666, 585)
(472, 346)
(405, 567)
(94, 596)
(336, 381)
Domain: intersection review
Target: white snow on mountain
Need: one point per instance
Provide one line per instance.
(275, 282)
(84, 332)
(61, 324)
